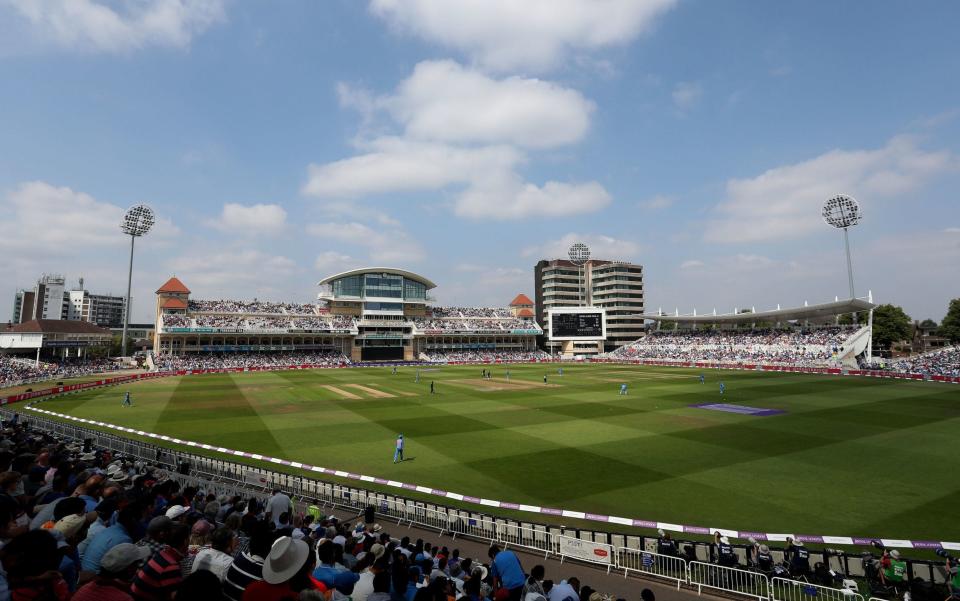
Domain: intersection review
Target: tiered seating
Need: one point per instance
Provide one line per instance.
(14, 370)
(790, 347)
(485, 356)
(944, 362)
(224, 361)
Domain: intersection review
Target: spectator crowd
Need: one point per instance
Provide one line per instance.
(81, 524)
(474, 324)
(14, 369)
(816, 347)
(486, 356)
(250, 307)
(235, 360)
(258, 322)
(942, 362)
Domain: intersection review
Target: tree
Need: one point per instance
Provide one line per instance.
(890, 324)
(950, 326)
(928, 324)
(847, 318)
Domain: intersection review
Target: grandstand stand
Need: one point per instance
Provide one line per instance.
(817, 347)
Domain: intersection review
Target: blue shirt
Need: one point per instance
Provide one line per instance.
(507, 568)
(332, 577)
(101, 543)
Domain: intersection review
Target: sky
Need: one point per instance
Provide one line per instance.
(464, 140)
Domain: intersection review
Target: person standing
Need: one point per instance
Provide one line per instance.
(126, 400)
(398, 452)
(623, 389)
(507, 572)
(431, 386)
(723, 388)
(278, 505)
(701, 378)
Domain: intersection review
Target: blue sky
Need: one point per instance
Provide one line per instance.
(281, 142)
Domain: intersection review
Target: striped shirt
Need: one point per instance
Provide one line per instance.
(246, 568)
(159, 578)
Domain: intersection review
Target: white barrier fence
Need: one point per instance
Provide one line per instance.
(667, 567)
(783, 589)
(730, 580)
(585, 550)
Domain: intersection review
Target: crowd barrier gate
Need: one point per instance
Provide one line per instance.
(730, 580)
(666, 567)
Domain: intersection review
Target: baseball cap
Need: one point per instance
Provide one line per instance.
(725, 540)
(895, 554)
(176, 511)
(121, 556)
(70, 525)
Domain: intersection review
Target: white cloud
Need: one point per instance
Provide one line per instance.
(258, 218)
(388, 247)
(464, 130)
(784, 202)
(514, 199)
(691, 264)
(534, 34)
(686, 94)
(118, 26)
(656, 203)
(332, 261)
(444, 101)
(397, 165)
(42, 218)
(952, 230)
(233, 272)
(601, 247)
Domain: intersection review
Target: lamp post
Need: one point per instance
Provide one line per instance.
(137, 221)
(843, 212)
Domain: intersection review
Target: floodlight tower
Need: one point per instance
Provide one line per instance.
(579, 254)
(136, 222)
(843, 212)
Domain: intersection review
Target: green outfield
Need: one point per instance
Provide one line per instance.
(849, 456)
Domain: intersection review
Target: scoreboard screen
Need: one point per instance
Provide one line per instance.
(577, 325)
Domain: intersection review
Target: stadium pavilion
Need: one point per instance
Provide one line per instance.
(369, 314)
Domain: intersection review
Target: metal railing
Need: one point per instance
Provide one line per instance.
(783, 589)
(730, 580)
(651, 564)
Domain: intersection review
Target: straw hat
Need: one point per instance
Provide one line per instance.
(286, 558)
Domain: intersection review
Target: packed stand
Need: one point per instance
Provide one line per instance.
(176, 320)
(238, 360)
(14, 370)
(250, 307)
(482, 312)
(83, 524)
(474, 324)
(817, 347)
(333, 322)
(506, 356)
(943, 362)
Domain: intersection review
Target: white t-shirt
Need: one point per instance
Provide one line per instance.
(278, 503)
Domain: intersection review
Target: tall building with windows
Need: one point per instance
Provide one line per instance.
(50, 299)
(616, 286)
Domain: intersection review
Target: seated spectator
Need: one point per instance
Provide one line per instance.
(286, 572)
(117, 569)
(121, 532)
(247, 567)
(31, 561)
(158, 579)
(219, 555)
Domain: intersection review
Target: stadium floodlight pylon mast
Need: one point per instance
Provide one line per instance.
(579, 254)
(843, 212)
(137, 221)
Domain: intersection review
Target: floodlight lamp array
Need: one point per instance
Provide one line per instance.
(138, 220)
(841, 211)
(579, 253)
